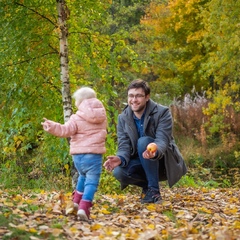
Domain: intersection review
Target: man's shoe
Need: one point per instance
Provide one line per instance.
(123, 186)
(143, 193)
(152, 196)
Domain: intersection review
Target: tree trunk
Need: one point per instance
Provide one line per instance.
(63, 14)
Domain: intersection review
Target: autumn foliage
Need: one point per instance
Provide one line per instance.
(188, 52)
(185, 213)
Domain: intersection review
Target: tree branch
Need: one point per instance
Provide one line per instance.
(28, 60)
(36, 12)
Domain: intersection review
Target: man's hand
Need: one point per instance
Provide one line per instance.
(148, 154)
(112, 162)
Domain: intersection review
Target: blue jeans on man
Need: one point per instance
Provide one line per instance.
(139, 171)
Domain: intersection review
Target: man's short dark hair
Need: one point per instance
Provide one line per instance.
(139, 83)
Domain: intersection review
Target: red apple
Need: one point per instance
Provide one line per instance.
(152, 147)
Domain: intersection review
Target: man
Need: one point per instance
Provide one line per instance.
(142, 122)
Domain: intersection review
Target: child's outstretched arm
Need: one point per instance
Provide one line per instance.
(46, 124)
(60, 130)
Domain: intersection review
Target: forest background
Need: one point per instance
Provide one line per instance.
(188, 52)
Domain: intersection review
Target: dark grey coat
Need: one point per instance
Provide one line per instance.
(158, 125)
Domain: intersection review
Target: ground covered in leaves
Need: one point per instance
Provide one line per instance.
(185, 213)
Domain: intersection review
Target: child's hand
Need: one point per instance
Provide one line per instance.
(46, 124)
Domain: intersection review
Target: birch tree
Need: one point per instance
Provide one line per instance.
(63, 15)
(39, 44)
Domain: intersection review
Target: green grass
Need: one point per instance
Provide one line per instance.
(197, 176)
(4, 221)
(170, 215)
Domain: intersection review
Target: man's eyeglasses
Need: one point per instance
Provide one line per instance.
(138, 96)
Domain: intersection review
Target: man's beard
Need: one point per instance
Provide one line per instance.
(140, 109)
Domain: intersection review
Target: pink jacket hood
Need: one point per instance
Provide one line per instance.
(92, 111)
(86, 128)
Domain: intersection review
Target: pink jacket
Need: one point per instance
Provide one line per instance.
(87, 128)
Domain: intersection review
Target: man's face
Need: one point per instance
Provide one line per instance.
(137, 100)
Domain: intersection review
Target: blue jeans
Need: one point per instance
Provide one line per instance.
(89, 167)
(139, 171)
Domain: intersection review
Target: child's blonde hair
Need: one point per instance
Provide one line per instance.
(83, 93)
